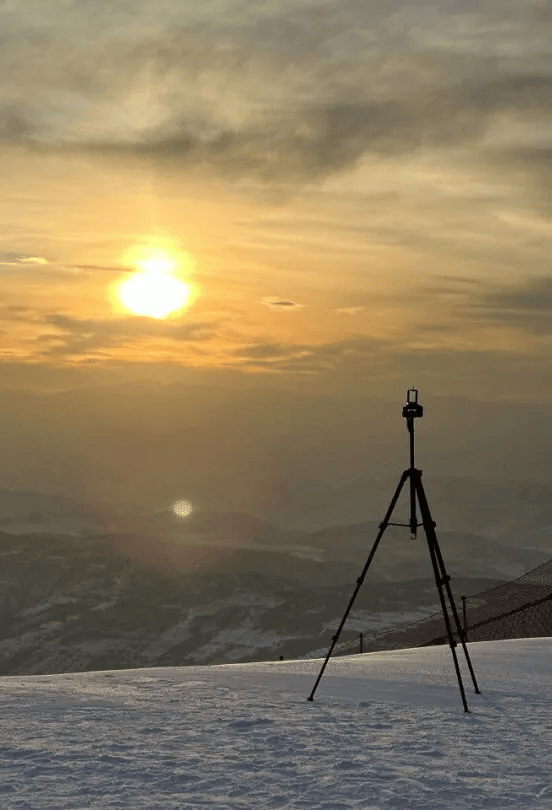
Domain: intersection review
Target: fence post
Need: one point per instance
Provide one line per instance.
(465, 618)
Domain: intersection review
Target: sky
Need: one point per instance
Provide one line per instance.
(356, 196)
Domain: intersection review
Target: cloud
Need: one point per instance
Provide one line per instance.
(319, 138)
(271, 91)
(542, 12)
(322, 358)
(106, 268)
(271, 351)
(526, 306)
(281, 303)
(464, 304)
(350, 310)
(21, 314)
(8, 257)
(14, 123)
(82, 337)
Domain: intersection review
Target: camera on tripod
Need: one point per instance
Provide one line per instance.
(412, 409)
(418, 501)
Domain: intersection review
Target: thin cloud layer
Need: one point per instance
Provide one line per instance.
(526, 306)
(79, 337)
(275, 91)
(11, 258)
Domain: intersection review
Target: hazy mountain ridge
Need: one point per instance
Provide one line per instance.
(490, 507)
(332, 555)
(75, 604)
(88, 590)
(340, 551)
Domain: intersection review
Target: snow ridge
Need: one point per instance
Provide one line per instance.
(385, 732)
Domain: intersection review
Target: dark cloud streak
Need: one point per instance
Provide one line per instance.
(527, 306)
(281, 303)
(317, 139)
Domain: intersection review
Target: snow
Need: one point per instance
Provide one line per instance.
(386, 730)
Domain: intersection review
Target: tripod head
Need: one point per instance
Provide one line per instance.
(412, 409)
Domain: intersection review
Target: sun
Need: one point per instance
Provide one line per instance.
(154, 289)
(153, 294)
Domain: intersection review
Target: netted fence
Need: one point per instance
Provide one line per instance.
(518, 609)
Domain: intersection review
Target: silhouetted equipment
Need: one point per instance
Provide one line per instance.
(413, 410)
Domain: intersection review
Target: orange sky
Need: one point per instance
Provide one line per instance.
(364, 192)
(275, 279)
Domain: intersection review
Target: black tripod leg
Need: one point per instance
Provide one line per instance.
(446, 581)
(441, 578)
(459, 629)
(360, 580)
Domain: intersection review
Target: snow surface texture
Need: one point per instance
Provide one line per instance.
(386, 730)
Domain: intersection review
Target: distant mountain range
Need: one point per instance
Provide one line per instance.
(71, 604)
(489, 507)
(85, 589)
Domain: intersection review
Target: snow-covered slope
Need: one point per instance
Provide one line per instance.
(386, 731)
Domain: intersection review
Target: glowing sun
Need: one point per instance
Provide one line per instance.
(154, 290)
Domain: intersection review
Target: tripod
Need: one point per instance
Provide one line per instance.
(411, 411)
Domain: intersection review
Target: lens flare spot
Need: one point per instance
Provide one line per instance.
(182, 509)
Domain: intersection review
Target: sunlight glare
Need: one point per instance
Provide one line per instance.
(154, 294)
(154, 289)
(156, 260)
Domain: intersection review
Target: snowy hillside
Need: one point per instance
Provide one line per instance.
(85, 588)
(77, 604)
(386, 732)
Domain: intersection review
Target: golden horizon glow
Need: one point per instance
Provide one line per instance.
(154, 290)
